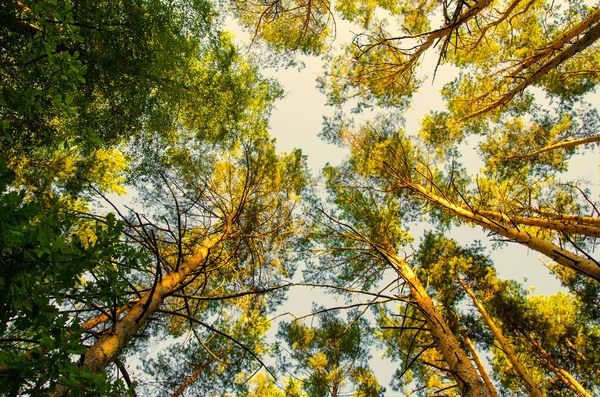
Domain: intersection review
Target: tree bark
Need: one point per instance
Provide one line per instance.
(558, 145)
(563, 257)
(558, 43)
(576, 219)
(109, 346)
(479, 364)
(192, 378)
(587, 40)
(514, 360)
(466, 376)
(559, 226)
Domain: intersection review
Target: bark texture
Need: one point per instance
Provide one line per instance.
(504, 344)
(557, 369)
(563, 257)
(558, 145)
(593, 33)
(466, 376)
(480, 366)
(550, 224)
(109, 346)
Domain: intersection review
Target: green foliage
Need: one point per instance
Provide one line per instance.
(289, 24)
(331, 359)
(154, 97)
(85, 75)
(49, 267)
(405, 340)
(96, 98)
(557, 324)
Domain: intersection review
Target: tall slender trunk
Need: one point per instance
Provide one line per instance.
(108, 347)
(466, 376)
(192, 378)
(504, 344)
(556, 368)
(558, 43)
(554, 252)
(578, 219)
(479, 364)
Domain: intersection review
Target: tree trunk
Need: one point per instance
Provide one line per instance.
(479, 364)
(577, 219)
(558, 43)
(192, 378)
(554, 252)
(587, 40)
(559, 226)
(109, 346)
(559, 145)
(466, 376)
(521, 371)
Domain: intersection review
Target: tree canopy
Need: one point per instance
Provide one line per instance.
(151, 229)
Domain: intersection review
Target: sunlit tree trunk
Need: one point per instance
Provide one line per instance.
(504, 344)
(467, 378)
(108, 347)
(559, 145)
(192, 378)
(559, 226)
(584, 42)
(554, 252)
(479, 364)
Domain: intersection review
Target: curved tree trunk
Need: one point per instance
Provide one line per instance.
(109, 346)
(558, 145)
(584, 42)
(556, 368)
